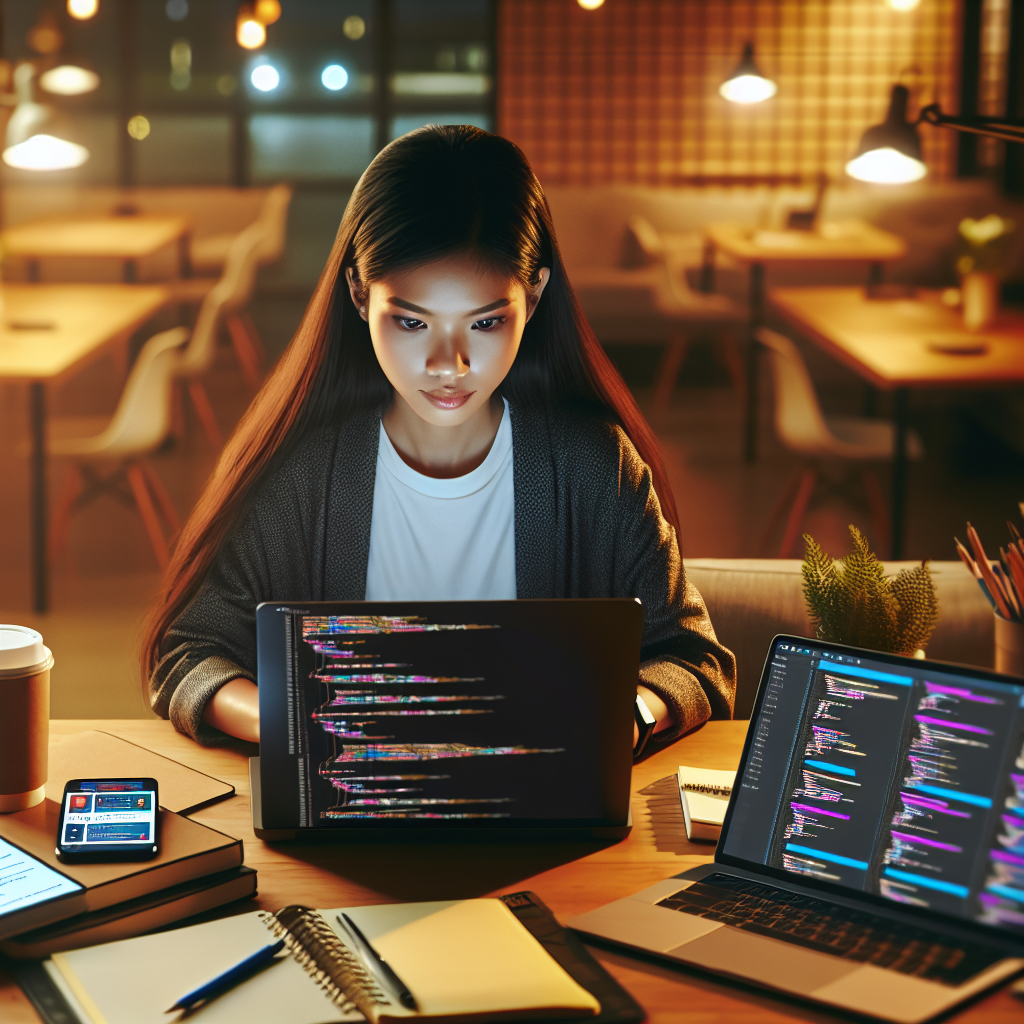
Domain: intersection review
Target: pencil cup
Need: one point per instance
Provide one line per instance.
(24, 717)
(1009, 646)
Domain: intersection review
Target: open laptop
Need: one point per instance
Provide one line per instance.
(872, 855)
(469, 719)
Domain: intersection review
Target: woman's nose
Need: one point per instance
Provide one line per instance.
(448, 361)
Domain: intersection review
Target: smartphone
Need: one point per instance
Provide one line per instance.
(108, 819)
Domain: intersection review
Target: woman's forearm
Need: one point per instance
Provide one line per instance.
(235, 709)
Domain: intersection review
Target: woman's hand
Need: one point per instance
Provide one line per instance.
(658, 708)
(235, 709)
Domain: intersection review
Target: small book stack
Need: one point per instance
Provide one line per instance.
(704, 794)
(197, 868)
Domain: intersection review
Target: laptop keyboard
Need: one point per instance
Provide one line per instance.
(830, 928)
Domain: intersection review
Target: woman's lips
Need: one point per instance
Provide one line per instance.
(448, 399)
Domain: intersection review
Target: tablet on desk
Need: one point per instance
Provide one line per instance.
(475, 718)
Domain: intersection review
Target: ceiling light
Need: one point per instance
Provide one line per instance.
(903, 5)
(590, 5)
(746, 84)
(890, 153)
(250, 33)
(83, 9)
(334, 77)
(69, 80)
(36, 136)
(267, 11)
(265, 77)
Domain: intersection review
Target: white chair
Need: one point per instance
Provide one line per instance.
(210, 254)
(225, 304)
(140, 424)
(803, 428)
(652, 304)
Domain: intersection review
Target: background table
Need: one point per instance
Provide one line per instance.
(832, 241)
(892, 343)
(48, 332)
(125, 239)
(570, 877)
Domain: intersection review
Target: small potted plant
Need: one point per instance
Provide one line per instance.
(854, 602)
(984, 249)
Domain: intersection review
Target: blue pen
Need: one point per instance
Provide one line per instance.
(231, 977)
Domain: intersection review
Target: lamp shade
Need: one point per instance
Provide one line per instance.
(746, 84)
(890, 153)
(69, 78)
(37, 137)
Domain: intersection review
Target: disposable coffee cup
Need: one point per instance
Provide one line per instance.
(25, 665)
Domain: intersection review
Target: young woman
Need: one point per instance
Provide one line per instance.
(445, 426)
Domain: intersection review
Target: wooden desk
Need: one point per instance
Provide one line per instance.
(126, 239)
(832, 241)
(570, 877)
(895, 344)
(48, 332)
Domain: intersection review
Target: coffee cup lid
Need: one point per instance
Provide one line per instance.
(21, 647)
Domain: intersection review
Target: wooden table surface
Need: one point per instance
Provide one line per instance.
(897, 342)
(832, 240)
(123, 238)
(570, 877)
(47, 330)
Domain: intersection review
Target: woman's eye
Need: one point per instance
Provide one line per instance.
(410, 323)
(489, 324)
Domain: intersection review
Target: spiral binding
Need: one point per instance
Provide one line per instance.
(711, 789)
(327, 960)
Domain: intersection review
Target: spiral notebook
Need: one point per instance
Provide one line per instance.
(464, 961)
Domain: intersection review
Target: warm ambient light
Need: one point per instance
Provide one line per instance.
(890, 153)
(334, 77)
(886, 166)
(903, 5)
(590, 5)
(83, 9)
(250, 33)
(265, 77)
(45, 153)
(746, 84)
(267, 11)
(138, 127)
(69, 80)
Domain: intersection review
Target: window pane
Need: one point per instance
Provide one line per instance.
(409, 122)
(185, 150)
(310, 147)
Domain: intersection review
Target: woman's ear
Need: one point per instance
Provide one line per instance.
(358, 291)
(535, 291)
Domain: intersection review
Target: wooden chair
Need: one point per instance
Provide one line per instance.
(225, 304)
(803, 428)
(114, 461)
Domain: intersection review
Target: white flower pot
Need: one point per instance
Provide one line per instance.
(980, 297)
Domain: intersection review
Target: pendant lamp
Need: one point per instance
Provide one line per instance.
(746, 84)
(890, 153)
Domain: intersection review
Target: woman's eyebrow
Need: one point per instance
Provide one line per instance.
(412, 307)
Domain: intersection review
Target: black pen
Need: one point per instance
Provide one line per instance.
(405, 997)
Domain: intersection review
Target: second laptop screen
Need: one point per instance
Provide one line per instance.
(904, 782)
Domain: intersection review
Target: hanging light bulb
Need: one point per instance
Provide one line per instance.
(890, 153)
(70, 79)
(36, 137)
(267, 11)
(250, 33)
(83, 9)
(746, 84)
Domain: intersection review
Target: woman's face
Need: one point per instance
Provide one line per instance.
(446, 333)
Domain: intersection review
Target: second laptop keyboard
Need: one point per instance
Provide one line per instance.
(830, 928)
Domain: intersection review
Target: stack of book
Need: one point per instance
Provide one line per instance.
(197, 868)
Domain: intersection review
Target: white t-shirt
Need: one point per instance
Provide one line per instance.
(443, 540)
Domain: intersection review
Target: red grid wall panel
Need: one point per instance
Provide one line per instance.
(629, 93)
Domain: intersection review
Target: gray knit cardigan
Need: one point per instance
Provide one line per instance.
(587, 524)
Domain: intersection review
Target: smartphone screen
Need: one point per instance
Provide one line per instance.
(109, 816)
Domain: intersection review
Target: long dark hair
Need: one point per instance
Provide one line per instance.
(436, 192)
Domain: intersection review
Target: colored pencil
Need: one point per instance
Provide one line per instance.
(987, 575)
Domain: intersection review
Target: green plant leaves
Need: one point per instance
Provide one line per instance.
(854, 602)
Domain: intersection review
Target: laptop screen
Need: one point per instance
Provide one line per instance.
(887, 776)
